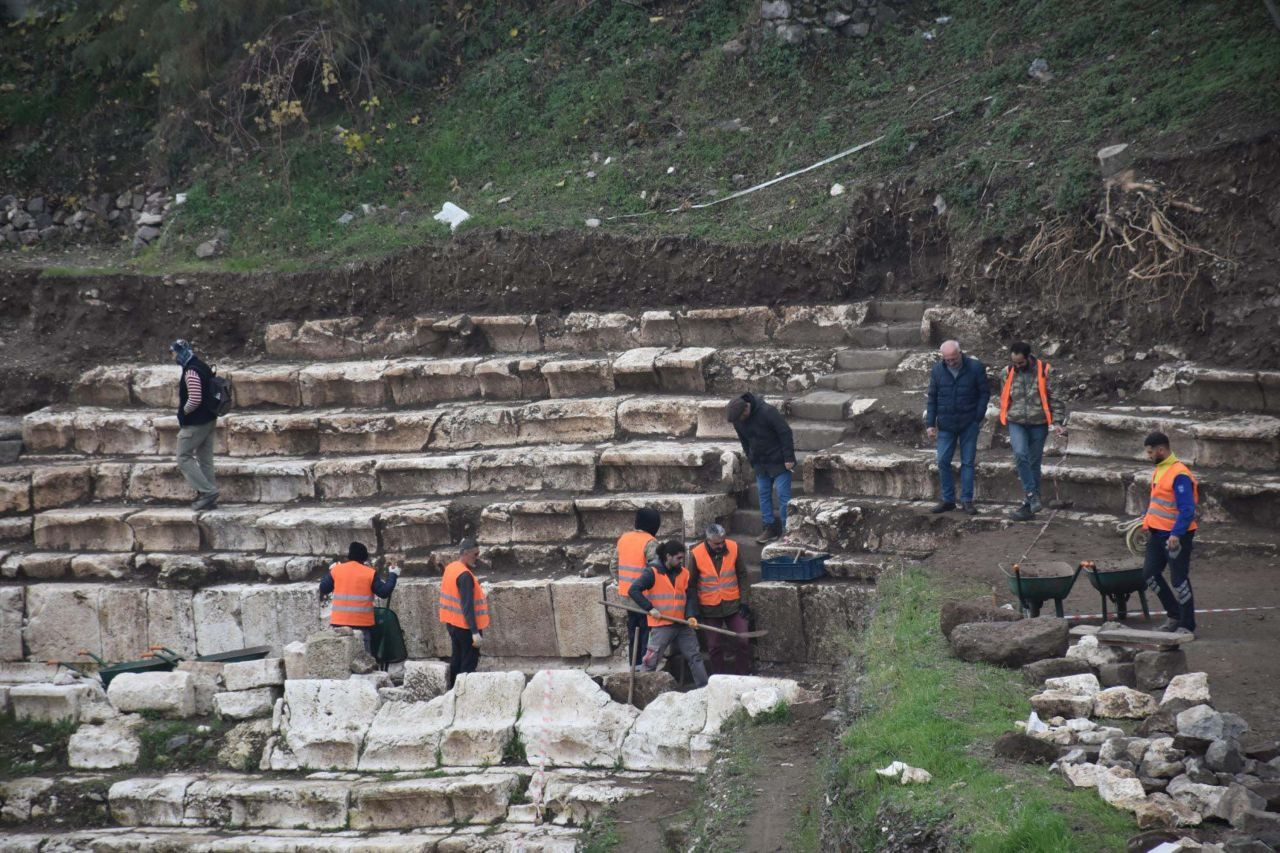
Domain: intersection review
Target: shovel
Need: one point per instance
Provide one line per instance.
(745, 635)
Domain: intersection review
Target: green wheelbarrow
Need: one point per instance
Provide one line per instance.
(1116, 580)
(159, 659)
(1036, 583)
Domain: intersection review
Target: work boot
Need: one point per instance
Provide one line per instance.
(1023, 513)
(770, 533)
(1184, 631)
(969, 508)
(208, 501)
(943, 506)
(1169, 625)
(1033, 501)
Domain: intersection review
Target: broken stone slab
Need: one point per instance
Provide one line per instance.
(114, 743)
(477, 798)
(1162, 811)
(665, 417)
(683, 371)
(240, 802)
(1123, 703)
(485, 708)
(168, 529)
(579, 377)
(1155, 669)
(353, 383)
(1041, 670)
(1186, 691)
(1083, 775)
(955, 613)
(1085, 684)
(437, 474)
(406, 735)
(49, 703)
(715, 327)
(568, 421)
(777, 605)
(1121, 788)
(266, 384)
(725, 696)
(328, 720)
(816, 325)
(150, 801)
(1094, 653)
(246, 704)
(1011, 644)
(663, 734)
(329, 654)
(411, 528)
(567, 720)
(1202, 798)
(169, 693)
(1064, 703)
(581, 626)
(206, 680)
(589, 331)
(424, 382)
(317, 531)
(394, 432)
(527, 521)
(426, 679)
(522, 624)
(84, 529)
(283, 434)
(509, 332)
(532, 470)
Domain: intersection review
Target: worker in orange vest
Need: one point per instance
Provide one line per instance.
(716, 577)
(354, 586)
(464, 610)
(664, 590)
(1029, 410)
(636, 549)
(1171, 524)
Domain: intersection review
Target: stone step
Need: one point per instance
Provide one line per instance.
(821, 406)
(1245, 442)
(1215, 388)
(869, 359)
(816, 435)
(627, 466)
(887, 335)
(408, 527)
(854, 380)
(891, 311)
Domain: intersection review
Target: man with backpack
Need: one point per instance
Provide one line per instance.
(201, 398)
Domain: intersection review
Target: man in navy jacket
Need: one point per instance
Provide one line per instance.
(958, 395)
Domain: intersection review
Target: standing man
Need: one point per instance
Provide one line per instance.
(958, 395)
(1027, 408)
(667, 583)
(197, 421)
(636, 549)
(354, 586)
(463, 610)
(715, 563)
(1171, 523)
(767, 442)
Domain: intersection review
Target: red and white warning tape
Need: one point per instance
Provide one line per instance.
(1198, 612)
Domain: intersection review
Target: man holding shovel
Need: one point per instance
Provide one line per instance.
(663, 592)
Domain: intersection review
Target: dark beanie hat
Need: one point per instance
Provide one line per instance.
(356, 551)
(648, 520)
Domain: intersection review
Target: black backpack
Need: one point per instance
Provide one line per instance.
(220, 403)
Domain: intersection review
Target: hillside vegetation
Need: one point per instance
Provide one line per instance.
(540, 115)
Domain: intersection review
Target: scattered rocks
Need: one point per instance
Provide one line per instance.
(1235, 802)
(1186, 691)
(1161, 810)
(1123, 703)
(1039, 70)
(1094, 653)
(41, 219)
(1120, 788)
(798, 22)
(1224, 756)
(1042, 670)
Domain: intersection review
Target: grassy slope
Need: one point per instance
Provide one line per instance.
(926, 708)
(546, 97)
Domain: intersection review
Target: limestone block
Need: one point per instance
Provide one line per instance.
(55, 486)
(776, 606)
(417, 603)
(1186, 690)
(37, 565)
(48, 431)
(566, 720)
(423, 382)
(216, 613)
(441, 474)
(568, 421)
(659, 329)
(15, 529)
(327, 720)
(485, 709)
(664, 417)
(61, 620)
(1123, 703)
(476, 426)
(725, 693)
(122, 622)
(345, 477)
(295, 660)
(107, 385)
(1160, 810)
(832, 614)
(317, 531)
(521, 619)
(246, 704)
(816, 325)
(509, 332)
(1120, 788)
(329, 654)
(727, 326)
(166, 529)
(234, 528)
(337, 337)
(247, 675)
(265, 481)
(682, 371)
(527, 521)
(151, 481)
(121, 433)
(426, 679)
(532, 470)
(49, 703)
(509, 378)
(15, 492)
(84, 529)
(265, 384)
(1200, 797)
(206, 681)
(1061, 703)
(236, 802)
(171, 620)
(406, 735)
(112, 744)
(169, 693)
(344, 383)
(635, 370)
(397, 432)
(578, 377)
(12, 601)
(111, 480)
(588, 331)
(409, 528)
(662, 735)
(479, 798)
(149, 802)
(155, 386)
(1085, 684)
(279, 614)
(284, 434)
(581, 627)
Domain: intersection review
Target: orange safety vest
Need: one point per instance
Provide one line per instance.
(669, 598)
(631, 559)
(352, 595)
(1042, 378)
(716, 587)
(451, 599)
(1162, 512)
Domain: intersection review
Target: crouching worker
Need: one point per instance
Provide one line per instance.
(354, 586)
(664, 591)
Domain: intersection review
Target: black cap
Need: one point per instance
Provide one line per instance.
(356, 551)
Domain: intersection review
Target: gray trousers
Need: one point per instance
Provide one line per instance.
(686, 640)
(195, 457)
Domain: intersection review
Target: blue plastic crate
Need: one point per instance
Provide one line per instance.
(794, 568)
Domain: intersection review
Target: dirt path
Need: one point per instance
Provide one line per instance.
(788, 781)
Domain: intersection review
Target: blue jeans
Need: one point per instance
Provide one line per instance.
(967, 439)
(766, 485)
(1179, 601)
(1028, 449)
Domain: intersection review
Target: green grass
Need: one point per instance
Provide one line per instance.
(17, 738)
(923, 706)
(199, 751)
(600, 835)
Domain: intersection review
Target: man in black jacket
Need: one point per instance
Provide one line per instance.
(197, 421)
(767, 442)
